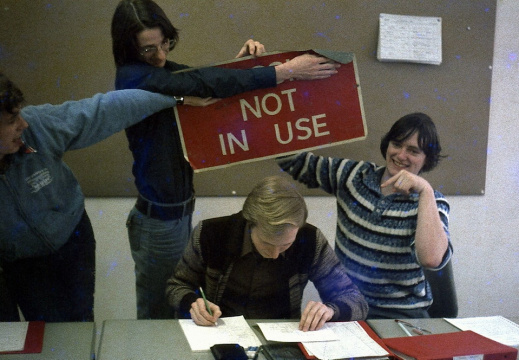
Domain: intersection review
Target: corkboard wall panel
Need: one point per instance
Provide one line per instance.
(61, 50)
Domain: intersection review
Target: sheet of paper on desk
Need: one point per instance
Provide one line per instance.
(353, 342)
(12, 335)
(233, 329)
(289, 332)
(496, 328)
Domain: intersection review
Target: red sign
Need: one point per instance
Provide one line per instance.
(293, 116)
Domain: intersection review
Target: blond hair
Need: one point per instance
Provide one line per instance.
(273, 204)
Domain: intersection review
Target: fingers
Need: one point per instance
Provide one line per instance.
(251, 47)
(256, 48)
(197, 101)
(314, 316)
(398, 182)
(201, 316)
(314, 67)
(405, 183)
(390, 181)
(210, 101)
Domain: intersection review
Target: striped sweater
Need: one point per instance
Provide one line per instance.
(375, 233)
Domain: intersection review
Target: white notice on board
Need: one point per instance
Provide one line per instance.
(404, 38)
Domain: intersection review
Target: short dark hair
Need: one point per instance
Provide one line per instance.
(428, 139)
(130, 18)
(11, 96)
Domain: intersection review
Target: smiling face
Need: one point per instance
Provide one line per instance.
(12, 126)
(271, 247)
(405, 155)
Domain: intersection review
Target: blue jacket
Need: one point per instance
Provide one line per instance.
(40, 198)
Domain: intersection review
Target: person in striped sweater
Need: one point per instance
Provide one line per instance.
(391, 223)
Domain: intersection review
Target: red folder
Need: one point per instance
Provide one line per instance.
(369, 331)
(449, 345)
(33, 339)
(375, 337)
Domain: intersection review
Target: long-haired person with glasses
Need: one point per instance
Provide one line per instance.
(159, 225)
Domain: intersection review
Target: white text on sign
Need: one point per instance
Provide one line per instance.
(305, 127)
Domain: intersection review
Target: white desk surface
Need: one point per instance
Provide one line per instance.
(63, 341)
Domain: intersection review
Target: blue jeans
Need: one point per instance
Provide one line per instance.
(156, 246)
(58, 287)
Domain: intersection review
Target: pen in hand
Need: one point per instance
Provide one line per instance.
(205, 301)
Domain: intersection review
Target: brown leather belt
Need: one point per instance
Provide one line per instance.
(166, 211)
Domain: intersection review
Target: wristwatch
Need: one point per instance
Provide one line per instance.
(179, 99)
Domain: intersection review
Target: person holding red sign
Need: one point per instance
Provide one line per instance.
(390, 222)
(160, 223)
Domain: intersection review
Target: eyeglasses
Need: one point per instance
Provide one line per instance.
(149, 51)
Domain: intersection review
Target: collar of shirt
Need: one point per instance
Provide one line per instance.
(372, 178)
(26, 149)
(12, 158)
